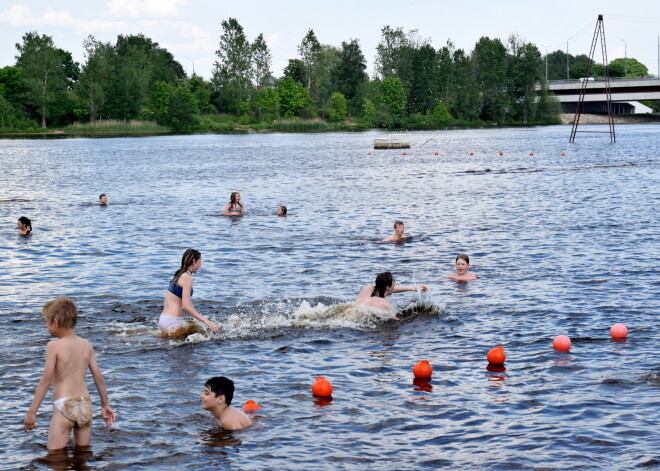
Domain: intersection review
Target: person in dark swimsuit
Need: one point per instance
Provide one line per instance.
(24, 226)
(178, 296)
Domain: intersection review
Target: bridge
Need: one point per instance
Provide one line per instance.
(625, 93)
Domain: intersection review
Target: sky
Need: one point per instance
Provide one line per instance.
(190, 29)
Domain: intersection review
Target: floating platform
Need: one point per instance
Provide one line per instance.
(392, 142)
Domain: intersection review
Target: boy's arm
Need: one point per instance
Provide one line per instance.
(401, 289)
(106, 410)
(30, 421)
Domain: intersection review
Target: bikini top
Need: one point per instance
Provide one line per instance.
(177, 290)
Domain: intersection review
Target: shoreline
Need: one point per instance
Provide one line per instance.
(566, 118)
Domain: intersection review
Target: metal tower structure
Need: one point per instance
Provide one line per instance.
(598, 33)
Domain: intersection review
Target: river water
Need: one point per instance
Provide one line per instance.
(562, 244)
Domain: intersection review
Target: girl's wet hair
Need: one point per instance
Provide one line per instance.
(232, 199)
(26, 222)
(463, 256)
(383, 281)
(190, 256)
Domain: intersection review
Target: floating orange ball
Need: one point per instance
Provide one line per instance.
(436, 153)
(619, 331)
(496, 355)
(368, 153)
(422, 369)
(471, 153)
(250, 406)
(531, 153)
(561, 342)
(322, 387)
(404, 154)
(563, 153)
(501, 153)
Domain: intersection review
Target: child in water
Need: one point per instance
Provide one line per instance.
(462, 266)
(24, 226)
(374, 295)
(399, 233)
(67, 361)
(281, 210)
(234, 207)
(216, 398)
(103, 199)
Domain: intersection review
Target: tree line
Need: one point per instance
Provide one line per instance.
(414, 84)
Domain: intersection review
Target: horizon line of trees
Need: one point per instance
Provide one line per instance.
(414, 84)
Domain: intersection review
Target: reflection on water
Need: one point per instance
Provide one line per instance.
(561, 245)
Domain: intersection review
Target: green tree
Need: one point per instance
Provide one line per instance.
(424, 89)
(201, 89)
(261, 61)
(295, 70)
(440, 115)
(337, 111)
(490, 68)
(182, 108)
(233, 69)
(159, 102)
(45, 75)
(369, 112)
(393, 99)
(557, 65)
(293, 97)
(466, 102)
(628, 67)
(268, 102)
(445, 74)
(349, 73)
(525, 70)
(93, 85)
(13, 86)
(310, 51)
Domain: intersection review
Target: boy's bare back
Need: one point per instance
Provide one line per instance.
(73, 356)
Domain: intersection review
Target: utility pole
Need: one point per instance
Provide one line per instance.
(625, 58)
(566, 60)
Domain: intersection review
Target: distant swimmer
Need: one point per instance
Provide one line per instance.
(178, 296)
(462, 266)
(216, 398)
(24, 226)
(234, 207)
(374, 295)
(281, 210)
(103, 199)
(399, 233)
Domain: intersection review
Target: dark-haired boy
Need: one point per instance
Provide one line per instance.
(216, 398)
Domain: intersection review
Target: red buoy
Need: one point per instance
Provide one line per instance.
(561, 342)
(322, 387)
(501, 153)
(619, 331)
(250, 406)
(496, 355)
(471, 153)
(422, 369)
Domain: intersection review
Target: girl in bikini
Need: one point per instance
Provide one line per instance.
(234, 207)
(178, 296)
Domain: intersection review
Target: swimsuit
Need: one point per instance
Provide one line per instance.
(177, 290)
(170, 323)
(76, 409)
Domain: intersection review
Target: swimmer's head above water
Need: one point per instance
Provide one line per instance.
(281, 210)
(103, 199)
(24, 226)
(191, 261)
(221, 386)
(384, 285)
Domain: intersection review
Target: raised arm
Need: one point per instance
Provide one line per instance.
(106, 411)
(401, 289)
(30, 421)
(186, 284)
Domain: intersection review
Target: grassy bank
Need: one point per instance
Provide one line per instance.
(115, 126)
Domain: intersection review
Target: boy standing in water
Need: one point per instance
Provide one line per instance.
(462, 266)
(216, 398)
(67, 361)
(399, 233)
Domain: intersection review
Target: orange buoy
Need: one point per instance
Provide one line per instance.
(436, 153)
(404, 154)
(501, 153)
(531, 153)
(619, 331)
(368, 153)
(250, 406)
(496, 355)
(422, 369)
(322, 387)
(561, 342)
(471, 153)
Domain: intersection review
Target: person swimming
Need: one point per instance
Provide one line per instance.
(103, 199)
(234, 207)
(462, 266)
(178, 296)
(281, 210)
(385, 285)
(24, 226)
(399, 233)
